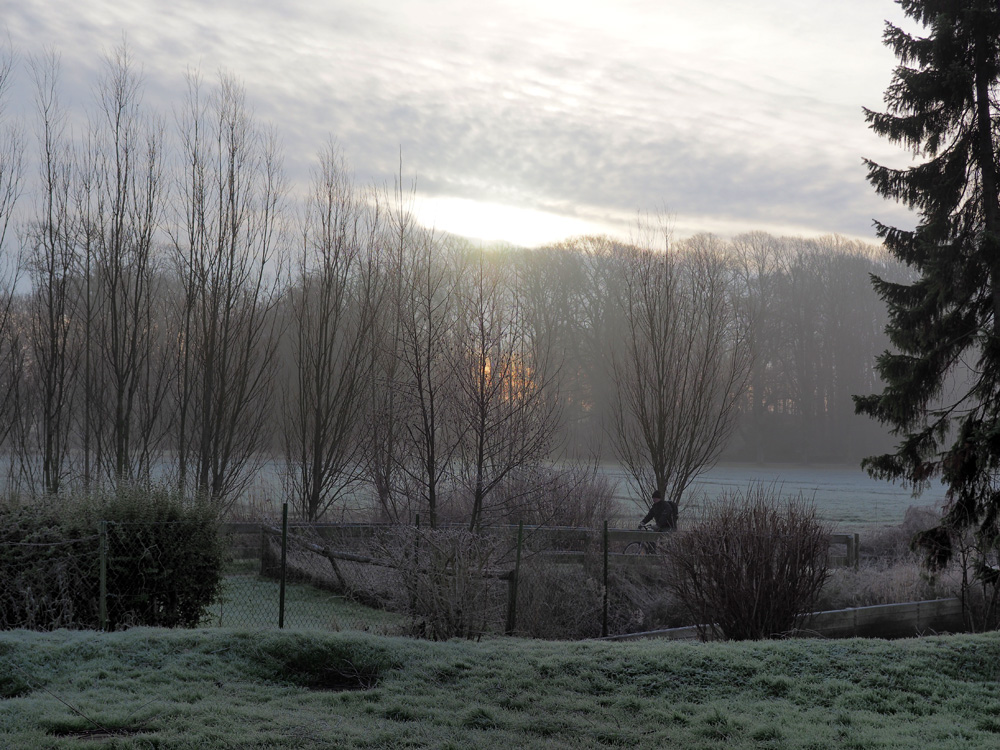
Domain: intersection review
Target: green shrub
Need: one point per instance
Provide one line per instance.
(164, 558)
(46, 579)
(163, 555)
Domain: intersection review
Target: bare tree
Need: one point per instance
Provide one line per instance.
(228, 249)
(509, 403)
(384, 440)
(427, 308)
(44, 398)
(122, 194)
(332, 307)
(11, 185)
(682, 366)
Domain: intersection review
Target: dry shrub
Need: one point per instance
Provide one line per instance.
(558, 601)
(565, 601)
(878, 581)
(891, 543)
(449, 580)
(575, 496)
(751, 565)
(890, 571)
(922, 558)
(975, 576)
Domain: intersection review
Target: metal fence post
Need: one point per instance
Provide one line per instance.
(857, 551)
(284, 551)
(512, 584)
(604, 617)
(103, 585)
(264, 539)
(416, 566)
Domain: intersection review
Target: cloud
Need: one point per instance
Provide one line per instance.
(745, 114)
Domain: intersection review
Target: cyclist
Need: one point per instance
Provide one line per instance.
(663, 514)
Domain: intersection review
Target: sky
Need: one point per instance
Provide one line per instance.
(529, 121)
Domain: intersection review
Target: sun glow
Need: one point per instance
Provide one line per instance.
(496, 222)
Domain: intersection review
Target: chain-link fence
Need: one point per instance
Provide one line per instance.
(440, 583)
(48, 581)
(275, 579)
(176, 574)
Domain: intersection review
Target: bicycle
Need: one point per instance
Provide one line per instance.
(641, 547)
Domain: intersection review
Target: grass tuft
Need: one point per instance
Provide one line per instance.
(480, 718)
(329, 664)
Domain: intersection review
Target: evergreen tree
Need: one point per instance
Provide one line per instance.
(944, 325)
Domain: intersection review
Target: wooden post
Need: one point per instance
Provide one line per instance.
(857, 550)
(284, 550)
(604, 618)
(512, 584)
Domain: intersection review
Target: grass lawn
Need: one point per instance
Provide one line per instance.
(221, 688)
(249, 601)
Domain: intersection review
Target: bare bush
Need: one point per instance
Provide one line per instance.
(879, 581)
(892, 543)
(751, 566)
(577, 497)
(975, 573)
(566, 601)
(908, 563)
(449, 579)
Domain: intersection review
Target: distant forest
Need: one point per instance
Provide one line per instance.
(173, 310)
(817, 328)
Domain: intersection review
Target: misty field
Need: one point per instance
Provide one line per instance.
(845, 496)
(148, 688)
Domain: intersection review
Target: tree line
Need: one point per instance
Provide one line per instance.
(174, 311)
(814, 328)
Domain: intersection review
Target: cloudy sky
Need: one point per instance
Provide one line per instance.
(531, 120)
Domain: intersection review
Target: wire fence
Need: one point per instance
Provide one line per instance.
(438, 583)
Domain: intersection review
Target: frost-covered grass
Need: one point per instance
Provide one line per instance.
(221, 688)
(249, 601)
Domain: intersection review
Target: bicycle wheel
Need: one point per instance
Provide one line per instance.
(635, 548)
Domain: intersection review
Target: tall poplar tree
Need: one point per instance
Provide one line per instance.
(944, 325)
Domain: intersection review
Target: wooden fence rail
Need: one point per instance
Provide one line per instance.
(566, 544)
(905, 620)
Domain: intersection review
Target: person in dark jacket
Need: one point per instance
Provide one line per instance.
(663, 513)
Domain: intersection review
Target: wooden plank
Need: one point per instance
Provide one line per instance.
(239, 527)
(670, 634)
(560, 557)
(890, 620)
(903, 620)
